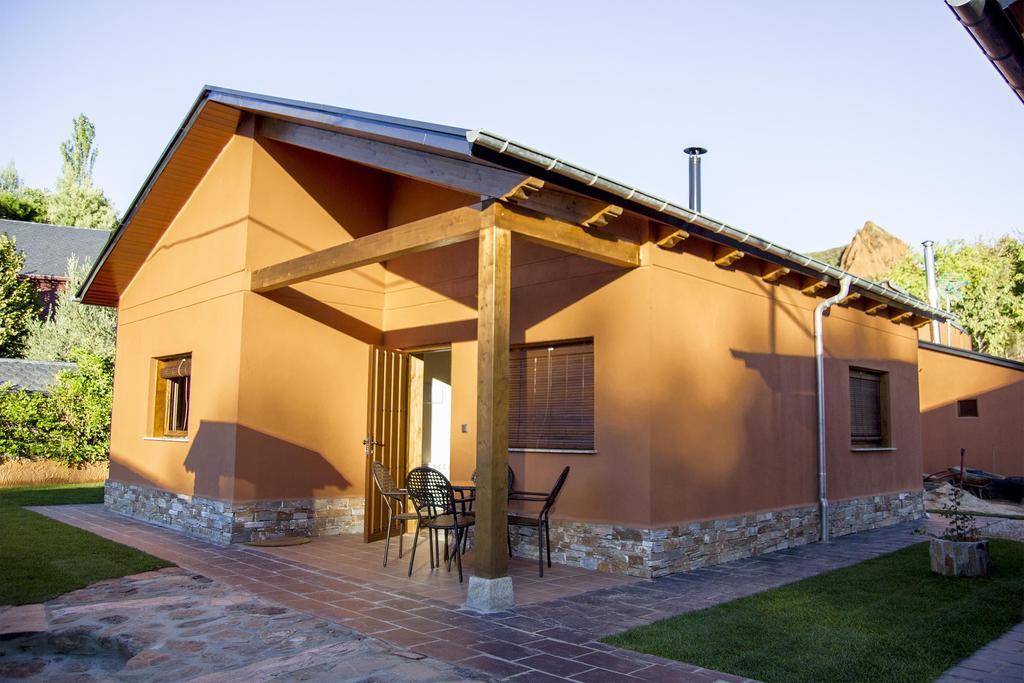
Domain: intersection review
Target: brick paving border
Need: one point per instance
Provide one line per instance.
(553, 640)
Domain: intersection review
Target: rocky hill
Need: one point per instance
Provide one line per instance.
(871, 253)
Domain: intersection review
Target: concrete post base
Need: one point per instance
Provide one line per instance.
(490, 595)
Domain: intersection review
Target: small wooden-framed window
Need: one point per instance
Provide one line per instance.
(551, 397)
(171, 401)
(967, 407)
(869, 408)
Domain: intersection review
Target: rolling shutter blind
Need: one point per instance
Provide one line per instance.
(551, 397)
(866, 407)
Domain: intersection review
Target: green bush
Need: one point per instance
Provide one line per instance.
(70, 424)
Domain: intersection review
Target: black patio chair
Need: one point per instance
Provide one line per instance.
(537, 519)
(437, 509)
(394, 499)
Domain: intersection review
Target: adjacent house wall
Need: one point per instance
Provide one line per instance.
(995, 439)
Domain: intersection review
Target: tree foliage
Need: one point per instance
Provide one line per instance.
(74, 326)
(76, 200)
(985, 282)
(18, 202)
(71, 423)
(79, 152)
(19, 305)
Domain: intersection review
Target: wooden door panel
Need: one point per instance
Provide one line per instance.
(387, 421)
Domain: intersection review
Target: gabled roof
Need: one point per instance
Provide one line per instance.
(216, 113)
(48, 247)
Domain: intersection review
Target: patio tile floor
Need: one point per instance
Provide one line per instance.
(555, 630)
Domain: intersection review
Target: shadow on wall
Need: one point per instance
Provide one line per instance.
(994, 440)
(234, 462)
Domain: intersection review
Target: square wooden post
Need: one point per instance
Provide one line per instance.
(491, 588)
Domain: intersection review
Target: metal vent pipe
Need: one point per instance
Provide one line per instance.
(933, 287)
(695, 153)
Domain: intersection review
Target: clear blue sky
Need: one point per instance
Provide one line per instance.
(818, 115)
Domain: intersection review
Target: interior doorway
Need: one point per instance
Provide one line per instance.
(430, 409)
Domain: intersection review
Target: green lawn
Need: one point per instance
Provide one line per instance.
(886, 619)
(41, 558)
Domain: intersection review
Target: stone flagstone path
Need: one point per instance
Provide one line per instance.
(551, 640)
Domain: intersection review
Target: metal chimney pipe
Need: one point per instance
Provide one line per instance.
(695, 153)
(933, 287)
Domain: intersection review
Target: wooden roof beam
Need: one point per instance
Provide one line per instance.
(566, 237)
(667, 237)
(812, 285)
(900, 316)
(571, 208)
(450, 227)
(773, 272)
(726, 256)
(458, 174)
(853, 296)
(872, 307)
(524, 190)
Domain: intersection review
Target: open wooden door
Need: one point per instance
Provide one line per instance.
(387, 429)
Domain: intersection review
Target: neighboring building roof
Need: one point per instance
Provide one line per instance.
(31, 375)
(973, 355)
(217, 113)
(48, 247)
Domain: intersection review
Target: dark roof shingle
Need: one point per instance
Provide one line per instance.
(31, 375)
(48, 247)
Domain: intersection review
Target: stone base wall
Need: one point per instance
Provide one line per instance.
(661, 551)
(224, 522)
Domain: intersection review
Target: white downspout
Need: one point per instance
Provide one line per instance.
(819, 373)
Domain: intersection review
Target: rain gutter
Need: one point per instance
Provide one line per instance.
(583, 178)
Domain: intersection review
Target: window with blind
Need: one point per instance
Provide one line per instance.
(869, 408)
(551, 397)
(171, 402)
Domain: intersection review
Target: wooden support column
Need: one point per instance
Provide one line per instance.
(493, 303)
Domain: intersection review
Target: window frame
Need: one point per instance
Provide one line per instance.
(165, 390)
(884, 442)
(550, 447)
(962, 402)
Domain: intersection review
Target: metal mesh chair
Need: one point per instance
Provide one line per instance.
(437, 509)
(394, 500)
(537, 519)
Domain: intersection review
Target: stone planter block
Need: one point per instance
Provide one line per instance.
(959, 558)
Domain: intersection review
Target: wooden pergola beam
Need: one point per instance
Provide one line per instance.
(450, 227)
(571, 238)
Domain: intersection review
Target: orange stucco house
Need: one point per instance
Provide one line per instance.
(294, 279)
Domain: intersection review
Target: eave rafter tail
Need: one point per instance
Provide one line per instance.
(534, 195)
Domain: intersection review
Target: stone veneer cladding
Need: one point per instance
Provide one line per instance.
(665, 550)
(224, 522)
